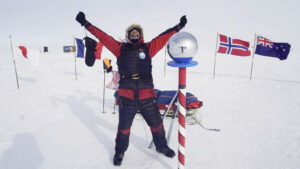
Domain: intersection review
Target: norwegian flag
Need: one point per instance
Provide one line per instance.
(231, 46)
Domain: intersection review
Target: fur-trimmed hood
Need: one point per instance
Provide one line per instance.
(129, 28)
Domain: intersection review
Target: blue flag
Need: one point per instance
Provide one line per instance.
(273, 49)
(80, 48)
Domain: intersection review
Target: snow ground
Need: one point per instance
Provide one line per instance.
(56, 122)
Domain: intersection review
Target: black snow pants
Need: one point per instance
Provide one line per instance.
(150, 112)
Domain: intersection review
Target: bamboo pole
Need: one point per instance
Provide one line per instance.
(103, 103)
(165, 61)
(254, 48)
(216, 55)
(12, 52)
(75, 57)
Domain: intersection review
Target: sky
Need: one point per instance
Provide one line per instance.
(39, 23)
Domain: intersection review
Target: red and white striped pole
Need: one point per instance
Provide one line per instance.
(181, 108)
(182, 47)
(181, 117)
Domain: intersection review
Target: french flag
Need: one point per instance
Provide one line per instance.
(231, 46)
(80, 49)
(98, 50)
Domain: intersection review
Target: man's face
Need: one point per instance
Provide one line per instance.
(134, 34)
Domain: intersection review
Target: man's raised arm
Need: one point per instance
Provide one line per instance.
(160, 41)
(109, 42)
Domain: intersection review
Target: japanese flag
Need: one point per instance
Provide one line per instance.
(27, 55)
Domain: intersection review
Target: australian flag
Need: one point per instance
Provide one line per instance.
(266, 47)
(231, 46)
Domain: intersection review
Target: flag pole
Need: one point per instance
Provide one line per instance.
(165, 61)
(12, 52)
(75, 58)
(103, 103)
(254, 48)
(216, 55)
(85, 31)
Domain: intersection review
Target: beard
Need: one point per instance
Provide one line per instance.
(134, 40)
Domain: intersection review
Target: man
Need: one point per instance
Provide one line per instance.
(136, 89)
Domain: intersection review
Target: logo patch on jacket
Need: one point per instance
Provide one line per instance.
(142, 54)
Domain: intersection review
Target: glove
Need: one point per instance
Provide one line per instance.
(183, 21)
(81, 18)
(90, 45)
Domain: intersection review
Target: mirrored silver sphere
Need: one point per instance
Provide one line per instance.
(182, 47)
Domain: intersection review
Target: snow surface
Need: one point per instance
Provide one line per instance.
(56, 122)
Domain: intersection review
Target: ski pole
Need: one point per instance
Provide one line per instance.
(200, 124)
(165, 113)
(104, 91)
(107, 68)
(171, 125)
(114, 112)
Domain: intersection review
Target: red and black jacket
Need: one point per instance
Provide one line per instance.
(129, 63)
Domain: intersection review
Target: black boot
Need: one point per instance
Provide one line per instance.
(118, 157)
(166, 151)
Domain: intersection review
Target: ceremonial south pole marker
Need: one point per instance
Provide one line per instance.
(182, 47)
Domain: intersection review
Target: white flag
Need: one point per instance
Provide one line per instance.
(27, 55)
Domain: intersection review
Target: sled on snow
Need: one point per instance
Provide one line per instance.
(164, 98)
(167, 103)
